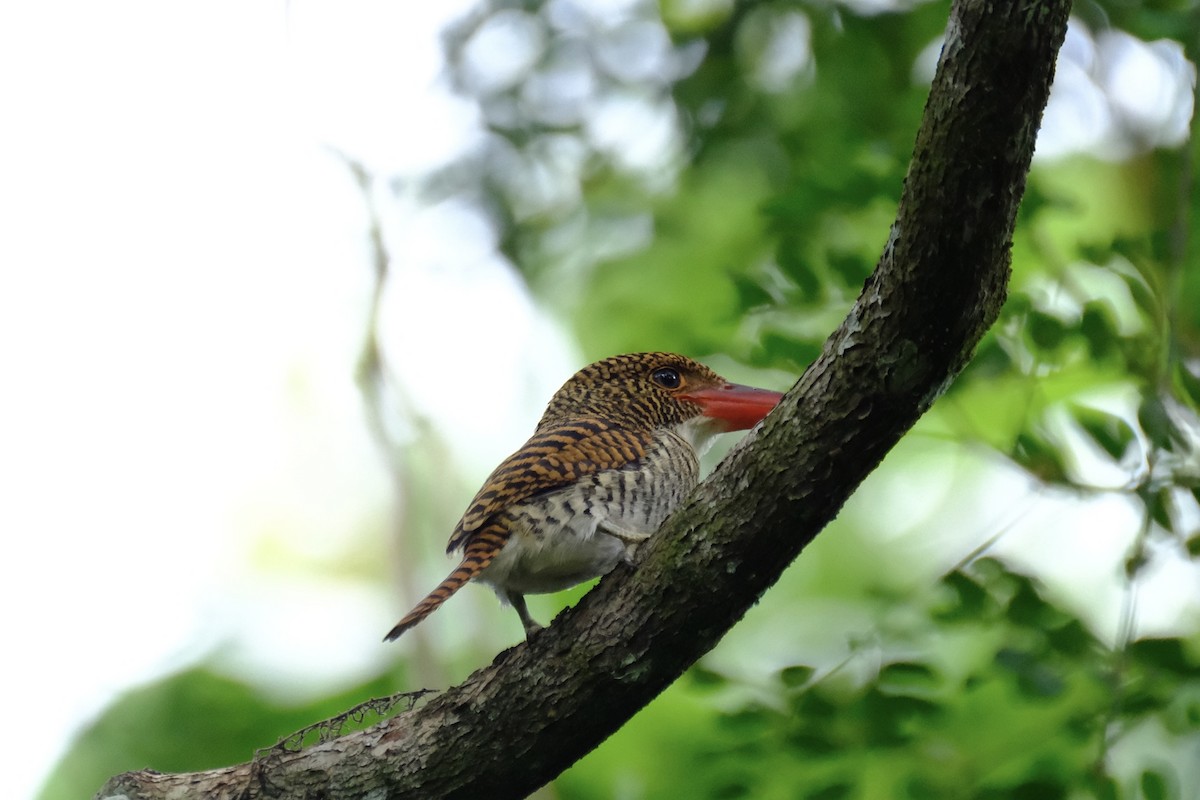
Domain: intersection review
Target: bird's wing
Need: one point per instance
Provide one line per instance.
(553, 458)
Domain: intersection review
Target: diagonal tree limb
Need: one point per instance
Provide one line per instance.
(516, 724)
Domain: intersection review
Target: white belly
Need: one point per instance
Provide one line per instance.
(555, 542)
(554, 559)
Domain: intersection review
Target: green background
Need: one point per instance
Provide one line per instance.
(934, 641)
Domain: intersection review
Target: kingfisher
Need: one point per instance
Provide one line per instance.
(617, 450)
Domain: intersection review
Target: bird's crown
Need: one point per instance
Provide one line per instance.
(645, 390)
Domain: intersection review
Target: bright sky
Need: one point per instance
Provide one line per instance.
(182, 291)
(184, 288)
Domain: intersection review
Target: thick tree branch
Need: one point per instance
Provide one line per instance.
(541, 705)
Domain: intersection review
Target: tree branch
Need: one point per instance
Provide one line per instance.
(541, 705)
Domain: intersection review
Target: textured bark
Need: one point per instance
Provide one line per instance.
(516, 724)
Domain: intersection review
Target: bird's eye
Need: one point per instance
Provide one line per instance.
(667, 377)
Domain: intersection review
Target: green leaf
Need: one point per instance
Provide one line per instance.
(796, 676)
(1027, 608)
(1155, 786)
(1157, 424)
(1182, 717)
(1073, 639)
(1040, 458)
(750, 292)
(1158, 506)
(1035, 678)
(964, 598)
(910, 679)
(1189, 384)
(794, 265)
(705, 678)
(1109, 432)
(1135, 563)
(852, 269)
(990, 361)
(835, 791)
(813, 741)
(811, 705)
(776, 349)
(753, 720)
(733, 791)
(1165, 654)
(1193, 544)
(1105, 787)
(1099, 329)
(893, 718)
(1046, 332)
(1143, 701)
(1145, 298)
(1043, 789)
(1192, 715)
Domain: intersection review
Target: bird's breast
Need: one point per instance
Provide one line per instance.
(556, 541)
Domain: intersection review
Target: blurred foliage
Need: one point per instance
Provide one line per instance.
(193, 720)
(719, 178)
(995, 692)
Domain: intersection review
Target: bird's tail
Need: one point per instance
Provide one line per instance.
(479, 552)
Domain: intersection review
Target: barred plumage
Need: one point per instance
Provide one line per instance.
(615, 452)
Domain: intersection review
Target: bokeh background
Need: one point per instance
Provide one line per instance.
(283, 281)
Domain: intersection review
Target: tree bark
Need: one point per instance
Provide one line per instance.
(513, 726)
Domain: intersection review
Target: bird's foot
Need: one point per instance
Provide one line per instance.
(527, 621)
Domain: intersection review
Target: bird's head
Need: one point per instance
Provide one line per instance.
(660, 391)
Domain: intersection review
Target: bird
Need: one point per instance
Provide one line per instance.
(616, 451)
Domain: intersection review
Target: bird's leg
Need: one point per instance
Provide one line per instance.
(517, 601)
(629, 537)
